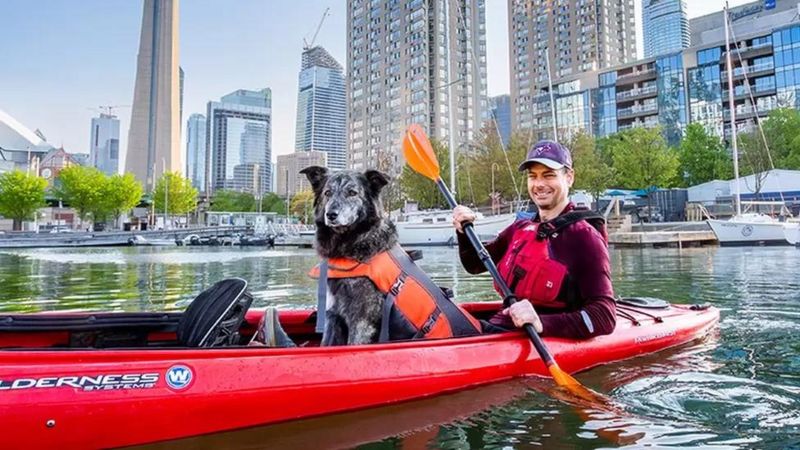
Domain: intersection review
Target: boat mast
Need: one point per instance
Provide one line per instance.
(450, 107)
(738, 198)
(550, 91)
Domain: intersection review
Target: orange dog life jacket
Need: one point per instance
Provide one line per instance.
(413, 307)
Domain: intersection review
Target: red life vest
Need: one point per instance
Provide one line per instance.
(528, 266)
(414, 307)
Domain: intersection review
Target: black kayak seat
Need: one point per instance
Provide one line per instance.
(214, 317)
(643, 302)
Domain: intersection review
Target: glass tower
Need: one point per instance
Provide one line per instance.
(321, 108)
(665, 27)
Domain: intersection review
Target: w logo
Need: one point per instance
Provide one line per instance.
(179, 377)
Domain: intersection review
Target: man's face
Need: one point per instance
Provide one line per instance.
(548, 187)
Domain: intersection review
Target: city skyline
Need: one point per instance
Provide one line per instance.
(58, 90)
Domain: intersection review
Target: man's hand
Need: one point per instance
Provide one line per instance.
(462, 215)
(522, 312)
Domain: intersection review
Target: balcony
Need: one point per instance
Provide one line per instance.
(636, 76)
(748, 111)
(753, 51)
(758, 69)
(638, 110)
(740, 92)
(649, 91)
(638, 124)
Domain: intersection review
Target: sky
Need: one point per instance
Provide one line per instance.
(62, 59)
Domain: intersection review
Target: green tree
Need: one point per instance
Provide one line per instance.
(228, 200)
(177, 191)
(781, 131)
(21, 196)
(754, 159)
(642, 160)
(703, 157)
(592, 173)
(271, 202)
(84, 189)
(302, 205)
(122, 193)
(493, 165)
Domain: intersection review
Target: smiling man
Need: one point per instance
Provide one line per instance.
(557, 263)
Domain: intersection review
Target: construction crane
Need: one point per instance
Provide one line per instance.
(307, 45)
(108, 109)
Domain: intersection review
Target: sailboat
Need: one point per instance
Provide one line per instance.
(748, 228)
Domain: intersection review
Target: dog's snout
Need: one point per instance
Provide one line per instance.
(332, 215)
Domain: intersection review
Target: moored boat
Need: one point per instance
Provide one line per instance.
(73, 380)
(436, 227)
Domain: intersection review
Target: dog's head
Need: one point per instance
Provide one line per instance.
(346, 199)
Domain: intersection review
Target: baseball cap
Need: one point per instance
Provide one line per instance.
(550, 153)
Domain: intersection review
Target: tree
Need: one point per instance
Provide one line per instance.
(703, 157)
(780, 129)
(642, 160)
(84, 189)
(180, 195)
(122, 193)
(271, 202)
(592, 173)
(21, 196)
(493, 166)
(233, 201)
(302, 205)
(754, 159)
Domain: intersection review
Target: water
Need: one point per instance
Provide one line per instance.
(738, 388)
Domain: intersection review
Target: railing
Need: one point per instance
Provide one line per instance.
(637, 110)
(750, 69)
(638, 91)
(634, 74)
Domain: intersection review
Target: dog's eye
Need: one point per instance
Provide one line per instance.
(327, 193)
(352, 193)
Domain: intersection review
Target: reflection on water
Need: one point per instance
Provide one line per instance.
(739, 388)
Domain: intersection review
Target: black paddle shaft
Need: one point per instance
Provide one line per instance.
(483, 254)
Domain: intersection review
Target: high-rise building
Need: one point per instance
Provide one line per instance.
(665, 26)
(154, 135)
(577, 35)
(239, 139)
(196, 152)
(416, 61)
(287, 171)
(500, 108)
(321, 108)
(104, 145)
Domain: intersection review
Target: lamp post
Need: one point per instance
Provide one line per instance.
(166, 189)
(287, 195)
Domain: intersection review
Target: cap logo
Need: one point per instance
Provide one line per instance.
(539, 150)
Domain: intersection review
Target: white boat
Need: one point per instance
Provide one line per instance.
(745, 228)
(751, 229)
(436, 227)
(792, 232)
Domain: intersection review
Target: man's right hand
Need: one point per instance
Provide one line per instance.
(462, 215)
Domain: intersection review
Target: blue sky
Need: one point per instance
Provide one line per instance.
(62, 57)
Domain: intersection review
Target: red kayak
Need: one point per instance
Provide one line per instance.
(115, 379)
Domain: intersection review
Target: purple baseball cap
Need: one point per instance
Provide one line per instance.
(550, 153)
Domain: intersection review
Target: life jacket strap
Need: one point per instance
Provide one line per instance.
(552, 227)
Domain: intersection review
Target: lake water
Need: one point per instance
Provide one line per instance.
(738, 388)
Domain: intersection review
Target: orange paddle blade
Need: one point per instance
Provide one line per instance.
(419, 153)
(566, 381)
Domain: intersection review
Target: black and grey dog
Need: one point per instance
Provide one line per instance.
(350, 224)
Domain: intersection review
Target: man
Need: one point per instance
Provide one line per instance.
(558, 260)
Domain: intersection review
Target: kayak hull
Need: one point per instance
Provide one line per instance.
(89, 398)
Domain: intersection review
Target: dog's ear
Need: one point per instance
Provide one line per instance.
(317, 176)
(377, 180)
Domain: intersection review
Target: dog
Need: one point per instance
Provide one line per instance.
(350, 222)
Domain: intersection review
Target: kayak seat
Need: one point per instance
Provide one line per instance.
(214, 317)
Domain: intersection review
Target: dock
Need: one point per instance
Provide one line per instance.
(623, 234)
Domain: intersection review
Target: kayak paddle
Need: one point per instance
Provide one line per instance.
(419, 155)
